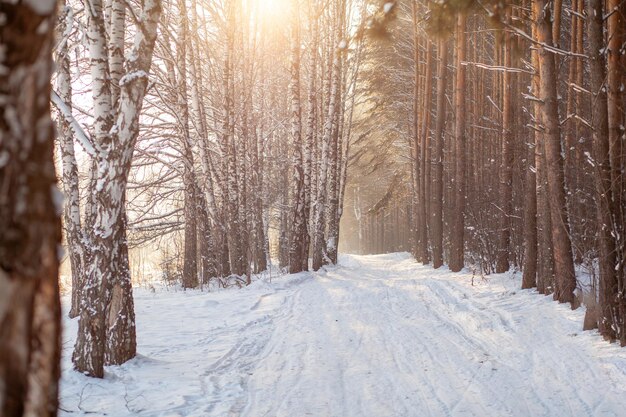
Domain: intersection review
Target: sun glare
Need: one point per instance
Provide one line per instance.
(273, 9)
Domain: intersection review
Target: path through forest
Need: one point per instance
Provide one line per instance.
(377, 336)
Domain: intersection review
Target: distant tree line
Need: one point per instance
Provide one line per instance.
(513, 136)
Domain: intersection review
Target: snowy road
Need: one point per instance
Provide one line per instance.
(378, 336)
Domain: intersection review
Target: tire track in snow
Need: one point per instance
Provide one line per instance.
(433, 345)
(379, 336)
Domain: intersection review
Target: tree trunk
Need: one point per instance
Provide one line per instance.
(107, 301)
(425, 168)
(229, 152)
(608, 320)
(334, 186)
(616, 80)
(71, 213)
(190, 261)
(309, 140)
(298, 250)
(437, 197)
(319, 243)
(565, 280)
(506, 166)
(457, 239)
(30, 311)
(414, 132)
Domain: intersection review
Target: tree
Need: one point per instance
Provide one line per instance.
(458, 222)
(608, 322)
(506, 168)
(328, 149)
(106, 331)
(299, 250)
(437, 196)
(563, 260)
(616, 108)
(30, 312)
(425, 165)
(72, 220)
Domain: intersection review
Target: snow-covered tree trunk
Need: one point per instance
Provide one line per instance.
(319, 224)
(106, 331)
(336, 146)
(71, 214)
(243, 165)
(90, 345)
(298, 251)
(117, 30)
(207, 266)
(309, 139)
(30, 311)
(285, 214)
(334, 162)
(257, 228)
(205, 192)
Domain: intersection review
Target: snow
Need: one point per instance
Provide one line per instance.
(132, 76)
(376, 336)
(79, 133)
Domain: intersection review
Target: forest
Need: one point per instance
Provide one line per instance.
(253, 148)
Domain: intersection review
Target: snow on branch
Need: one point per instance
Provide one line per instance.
(80, 134)
(496, 67)
(132, 76)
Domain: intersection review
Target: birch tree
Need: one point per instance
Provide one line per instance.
(106, 331)
(30, 311)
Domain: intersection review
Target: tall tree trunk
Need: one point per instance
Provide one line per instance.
(437, 197)
(457, 240)
(107, 302)
(299, 233)
(190, 261)
(608, 321)
(71, 213)
(319, 243)
(90, 345)
(530, 277)
(570, 132)
(425, 159)
(616, 80)
(565, 280)
(206, 209)
(506, 166)
(30, 312)
(309, 140)
(414, 130)
(334, 186)
(231, 172)
(545, 263)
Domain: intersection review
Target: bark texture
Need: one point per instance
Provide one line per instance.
(30, 211)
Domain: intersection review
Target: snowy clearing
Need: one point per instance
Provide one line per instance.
(377, 336)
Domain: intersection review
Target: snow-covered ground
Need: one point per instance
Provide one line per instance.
(377, 336)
